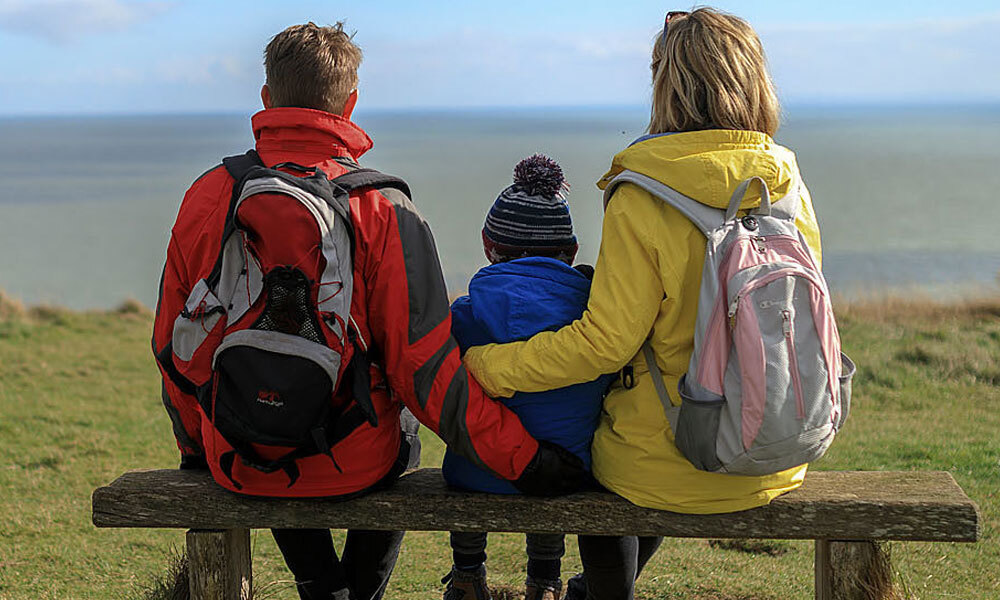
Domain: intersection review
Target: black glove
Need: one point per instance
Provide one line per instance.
(193, 461)
(553, 471)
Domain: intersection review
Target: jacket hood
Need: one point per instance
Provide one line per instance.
(309, 131)
(514, 300)
(707, 166)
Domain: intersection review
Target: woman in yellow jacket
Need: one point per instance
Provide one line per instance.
(714, 112)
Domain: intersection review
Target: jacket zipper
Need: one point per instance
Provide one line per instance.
(793, 361)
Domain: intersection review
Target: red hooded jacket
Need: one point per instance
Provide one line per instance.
(400, 305)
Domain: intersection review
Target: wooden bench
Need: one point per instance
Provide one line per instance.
(846, 513)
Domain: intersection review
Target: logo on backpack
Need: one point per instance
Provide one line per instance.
(767, 387)
(270, 398)
(253, 341)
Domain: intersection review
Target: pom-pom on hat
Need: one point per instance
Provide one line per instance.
(531, 217)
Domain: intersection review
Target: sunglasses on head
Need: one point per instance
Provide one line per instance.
(673, 14)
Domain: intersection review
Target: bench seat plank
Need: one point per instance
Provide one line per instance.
(839, 505)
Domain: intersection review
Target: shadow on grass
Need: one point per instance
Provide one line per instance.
(760, 547)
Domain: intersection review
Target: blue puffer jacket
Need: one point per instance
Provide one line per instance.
(513, 301)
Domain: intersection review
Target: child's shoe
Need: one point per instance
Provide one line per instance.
(542, 589)
(466, 585)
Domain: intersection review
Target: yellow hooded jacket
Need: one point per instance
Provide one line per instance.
(646, 284)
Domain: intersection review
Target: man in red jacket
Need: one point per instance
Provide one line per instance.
(399, 308)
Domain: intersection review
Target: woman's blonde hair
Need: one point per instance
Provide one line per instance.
(709, 72)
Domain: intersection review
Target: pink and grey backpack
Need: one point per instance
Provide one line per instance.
(767, 387)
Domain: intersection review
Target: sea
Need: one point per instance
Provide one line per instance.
(907, 197)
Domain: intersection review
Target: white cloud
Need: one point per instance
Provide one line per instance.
(66, 20)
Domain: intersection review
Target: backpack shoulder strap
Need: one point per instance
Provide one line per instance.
(672, 412)
(238, 167)
(704, 217)
(371, 179)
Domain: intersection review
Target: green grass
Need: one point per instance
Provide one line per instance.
(79, 405)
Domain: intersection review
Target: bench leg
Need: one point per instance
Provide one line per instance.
(853, 571)
(219, 564)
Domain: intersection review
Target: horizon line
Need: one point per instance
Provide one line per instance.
(386, 110)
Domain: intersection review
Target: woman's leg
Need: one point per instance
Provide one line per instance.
(647, 548)
(611, 565)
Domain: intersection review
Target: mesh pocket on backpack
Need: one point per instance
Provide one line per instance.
(847, 371)
(288, 306)
(698, 428)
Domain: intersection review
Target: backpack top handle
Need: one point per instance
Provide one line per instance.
(741, 190)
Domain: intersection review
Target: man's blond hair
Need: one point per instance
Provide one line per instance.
(309, 66)
(710, 72)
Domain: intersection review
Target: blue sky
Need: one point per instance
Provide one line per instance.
(115, 56)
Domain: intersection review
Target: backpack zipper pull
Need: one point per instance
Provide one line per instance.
(732, 311)
(786, 323)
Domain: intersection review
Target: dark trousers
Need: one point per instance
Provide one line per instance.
(611, 566)
(544, 550)
(363, 570)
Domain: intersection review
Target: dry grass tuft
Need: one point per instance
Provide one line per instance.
(48, 313)
(11, 309)
(131, 306)
(895, 309)
(172, 584)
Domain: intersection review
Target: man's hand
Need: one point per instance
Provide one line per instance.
(553, 471)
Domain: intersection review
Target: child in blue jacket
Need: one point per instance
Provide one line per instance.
(529, 287)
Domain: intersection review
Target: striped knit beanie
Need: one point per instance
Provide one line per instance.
(531, 217)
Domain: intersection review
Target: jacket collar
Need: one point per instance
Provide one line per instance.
(708, 165)
(309, 131)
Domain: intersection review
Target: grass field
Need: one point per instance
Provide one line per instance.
(79, 404)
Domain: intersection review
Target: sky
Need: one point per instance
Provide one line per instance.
(153, 56)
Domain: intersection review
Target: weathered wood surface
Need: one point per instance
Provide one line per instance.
(849, 505)
(219, 564)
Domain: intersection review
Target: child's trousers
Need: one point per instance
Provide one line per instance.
(471, 547)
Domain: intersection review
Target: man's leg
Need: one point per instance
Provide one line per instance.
(369, 558)
(310, 556)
